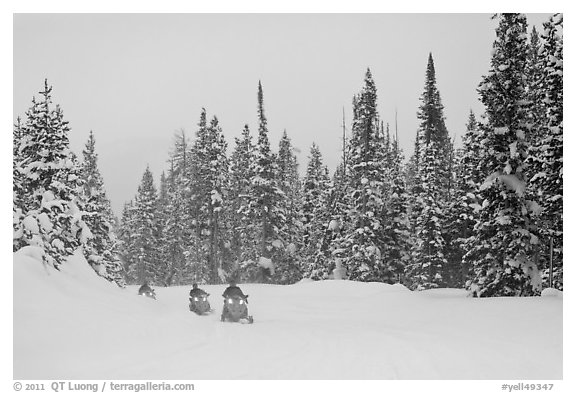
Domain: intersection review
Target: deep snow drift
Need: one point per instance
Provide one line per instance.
(75, 325)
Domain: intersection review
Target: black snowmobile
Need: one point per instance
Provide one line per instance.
(148, 293)
(199, 304)
(236, 310)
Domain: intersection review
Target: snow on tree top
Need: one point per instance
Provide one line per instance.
(267, 264)
(31, 224)
(45, 222)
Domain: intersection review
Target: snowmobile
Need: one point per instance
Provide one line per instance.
(236, 310)
(200, 305)
(151, 294)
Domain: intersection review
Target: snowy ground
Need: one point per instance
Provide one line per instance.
(74, 325)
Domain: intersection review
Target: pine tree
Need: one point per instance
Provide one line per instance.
(430, 194)
(396, 225)
(501, 250)
(164, 263)
(546, 159)
(177, 231)
(145, 267)
(196, 266)
(463, 206)
(127, 248)
(536, 112)
(287, 267)
(211, 182)
(174, 230)
(432, 126)
(330, 252)
(48, 184)
(268, 195)
(17, 185)
(101, 250)
(245, 241)
(315, 214)
(358, 246)
(429, 262)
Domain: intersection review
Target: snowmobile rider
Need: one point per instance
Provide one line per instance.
(233, 290)
(197, 292)
(145, 288)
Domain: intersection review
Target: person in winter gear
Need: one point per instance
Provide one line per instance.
(197, 292)
(233, 290)
(234, 309)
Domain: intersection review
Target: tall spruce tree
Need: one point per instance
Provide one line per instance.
(18, 206)
(145, 266)
(428, 259)
(127, 247)
(432, 122)
(287, 267)
(268, 194)
(396, 224)
(211, 183)
(177, 231)
(244, 228)
(546, 160)
(162, 213)
(431, 168)
(316, 193)
(536, 112)
(48, 184)
(502, 249)
(101, 250)
(358, 246)
(197, 266)
(331, 252)
(463, 206)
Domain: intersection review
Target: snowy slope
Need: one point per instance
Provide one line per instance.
(74, 325)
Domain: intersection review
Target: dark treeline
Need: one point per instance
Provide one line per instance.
(480, 217)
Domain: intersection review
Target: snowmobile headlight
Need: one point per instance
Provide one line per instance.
(241, 301)
(195, 299)
(230, 301)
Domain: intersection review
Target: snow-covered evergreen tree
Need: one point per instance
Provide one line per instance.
(395, 220)
(176, 231)
(535, 91)
(164, 263)
(331, 249)
(502, 249)
(428, 259)
(127, 248)
(269, 197)
(101, 250)
(316, 193)
(211, 181)
(18, 207)
(48, 184)
(463, 207)
(430, 192)
(546, 159)
(432, 124)
(243, 206)
(287, 268)
(359, 246)
(145, 266)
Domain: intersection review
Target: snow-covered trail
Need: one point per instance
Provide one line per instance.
(73, 325)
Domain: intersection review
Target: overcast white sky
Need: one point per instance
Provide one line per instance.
(134, 79)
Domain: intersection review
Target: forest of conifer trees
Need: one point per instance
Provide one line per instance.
(481, 217)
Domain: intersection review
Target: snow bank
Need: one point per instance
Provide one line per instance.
(552, 292)
(74, 325)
